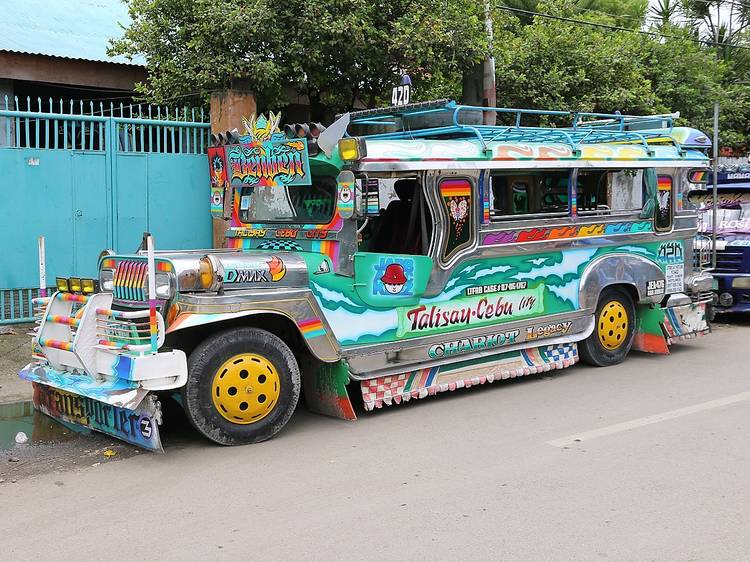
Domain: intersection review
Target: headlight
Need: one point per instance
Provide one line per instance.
(163, 286)
(741, 283)
(352, 148)
(107, 280)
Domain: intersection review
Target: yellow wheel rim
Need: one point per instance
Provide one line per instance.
(612, 326)
(245, 388)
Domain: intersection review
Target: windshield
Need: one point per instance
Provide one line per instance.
(732, 214)
(311, 204)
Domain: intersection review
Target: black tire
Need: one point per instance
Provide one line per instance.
(592, 350)
(203, 366)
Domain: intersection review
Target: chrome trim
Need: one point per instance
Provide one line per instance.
(419, 165)
(413, 352)
(618, 269)
(295, 304)
(404, 366)
(677, 299)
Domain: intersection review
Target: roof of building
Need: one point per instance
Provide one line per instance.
(75, 30)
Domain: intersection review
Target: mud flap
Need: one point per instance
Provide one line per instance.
(325, 389)
(658, 328)
(139, 426)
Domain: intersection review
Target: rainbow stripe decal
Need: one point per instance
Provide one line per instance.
(59, 319)
(664, 183)
(455, 188)
(57, 344)
(312, 328)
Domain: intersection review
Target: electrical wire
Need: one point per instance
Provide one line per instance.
(618, 28)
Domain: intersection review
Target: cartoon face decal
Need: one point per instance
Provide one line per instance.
(345, 194)
(394, 278)
(217, 165)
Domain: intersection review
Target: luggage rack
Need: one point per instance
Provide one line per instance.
(584, 128)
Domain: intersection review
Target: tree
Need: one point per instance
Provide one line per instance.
(627, 13)
(553, 64)
(332, 51)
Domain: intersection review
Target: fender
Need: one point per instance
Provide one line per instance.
(314, 331)
(618, 269)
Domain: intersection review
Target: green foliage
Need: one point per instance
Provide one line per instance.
(567, 66)
(332, 51)
(341, 53)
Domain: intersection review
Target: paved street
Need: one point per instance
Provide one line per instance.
(660, 473)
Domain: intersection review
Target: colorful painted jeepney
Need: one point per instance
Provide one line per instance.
(732, 271)
(396, 254)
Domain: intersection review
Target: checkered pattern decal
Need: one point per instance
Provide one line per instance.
(280, 245)
(424, 382)
(562, 353)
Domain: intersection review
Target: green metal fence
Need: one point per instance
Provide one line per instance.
(89, 176)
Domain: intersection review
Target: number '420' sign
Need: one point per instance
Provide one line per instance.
(401, 94)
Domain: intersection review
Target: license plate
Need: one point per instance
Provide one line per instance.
(138, 427)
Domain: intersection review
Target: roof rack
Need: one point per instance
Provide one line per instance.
(584, 128)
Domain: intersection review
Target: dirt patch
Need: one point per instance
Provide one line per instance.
(15, 353)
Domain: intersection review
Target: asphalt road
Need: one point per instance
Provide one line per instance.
(490, 473)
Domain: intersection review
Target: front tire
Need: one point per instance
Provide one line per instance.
(243, 386)
(613, 333)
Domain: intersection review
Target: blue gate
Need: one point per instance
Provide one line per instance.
(90, 177)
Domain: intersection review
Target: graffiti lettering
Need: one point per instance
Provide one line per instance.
(133, 426)
(286, 233)
(670, 252)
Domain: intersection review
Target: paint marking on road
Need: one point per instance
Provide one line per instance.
(648, 420)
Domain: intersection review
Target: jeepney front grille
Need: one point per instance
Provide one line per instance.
(129, 281)
(729, 261)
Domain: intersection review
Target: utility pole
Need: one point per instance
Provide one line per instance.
(479, 80)
(715, 195)
(489, 92)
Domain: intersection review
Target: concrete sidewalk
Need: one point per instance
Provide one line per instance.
(15, 353)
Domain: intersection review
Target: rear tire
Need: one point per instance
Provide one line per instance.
(613, 333)
(243, 386)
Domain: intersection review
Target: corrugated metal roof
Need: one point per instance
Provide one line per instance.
(76, 29)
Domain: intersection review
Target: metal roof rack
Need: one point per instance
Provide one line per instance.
(584, 128)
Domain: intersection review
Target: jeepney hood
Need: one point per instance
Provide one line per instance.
(237, 269)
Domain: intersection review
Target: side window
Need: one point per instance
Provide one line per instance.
(403, 225)
(456, 195)
(605, 191)
(520, 193)
(664, 204)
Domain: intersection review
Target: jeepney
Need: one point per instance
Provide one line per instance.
(398, 253)
(732, 271)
